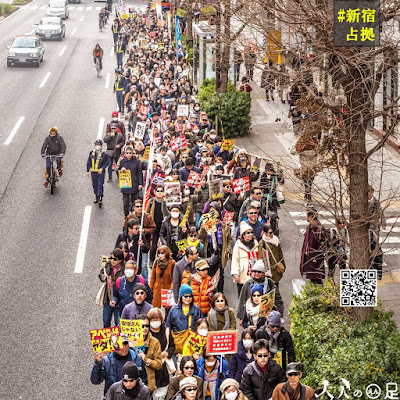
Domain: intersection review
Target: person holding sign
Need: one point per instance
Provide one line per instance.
(251, 318)
(197, 339)
(280, 341)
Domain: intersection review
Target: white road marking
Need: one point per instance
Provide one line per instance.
(5, 19)
(88, 8)
(80, 257)
(43, 7)
(112, 51)
(45, 79)
(72, 8)
(98, 8)
(33, 7)
(80, 8)
(82, 17)
(390, 251)
(304, 213)
(107, 85)
(14, 131)
(74, 31)
(392, 220)
(100, 129)
(63, 50)
(389, 239)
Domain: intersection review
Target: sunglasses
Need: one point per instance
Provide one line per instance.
(294, 374)
(140, 293)
(248, 233)
(128, 380)
(252, 213)
(220, 301)
(262, 355)
(258, 194)
(191, 390)
(256, 295)
(113, 258)
(160, 191)
(228, 187)
(188, 368)
(145, 326)
(270, 233)
(128, 152)
(193, 235)
(275, 326)
(139, 206)
(187, 296)
(203, 269)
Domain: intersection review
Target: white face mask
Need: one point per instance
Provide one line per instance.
(115, 119)
(129, 273)
(231, 396)
(197, 108)
(146, 103)
(187, 192)
(155, 324)
(203, 332)
(247, 343)
(204, 159)
(97, 147)
(175, 214)
(210, 363)
(212, 137)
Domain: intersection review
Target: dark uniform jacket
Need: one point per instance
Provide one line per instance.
(53, 145)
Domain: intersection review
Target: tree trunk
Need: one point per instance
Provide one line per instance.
(189, 23)
(226, 48)
(217, 47)
(358, 187)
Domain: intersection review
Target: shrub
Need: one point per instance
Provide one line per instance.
(232, 108)
(5, 8)
(207, 11)
(181, 13)
(331, 347)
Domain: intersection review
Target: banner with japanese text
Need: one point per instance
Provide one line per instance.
(101, 339)
(222, 342)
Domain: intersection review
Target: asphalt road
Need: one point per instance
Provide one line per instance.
(48, 309)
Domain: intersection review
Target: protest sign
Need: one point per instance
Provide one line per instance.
(213, 283)
(183, 110)
(278, 357)
(174, 143)
(256, 164)
(101, 339)
(196, 342)
(266, 304)
(208, 222)
(194, 179)
(125, 179)
(146, 154)
(169, 102)
(167, 298)
(267, 264)
(241, 185)
(227, 144)
(157, 82)
(144, 110)
(253, 257)
(158, 179)
(186, 216)
(173, 193)
(228, 218)
(140, 130)
(216, 189)
(133, 328)
(183, 141)
(222, 342)
(182, 244)
(204, 172)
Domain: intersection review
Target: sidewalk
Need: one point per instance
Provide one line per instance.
(271, 137)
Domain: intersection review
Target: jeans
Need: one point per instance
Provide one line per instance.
(198, 216)
(239, 287)
(120, 60)
(307, 187)
(108, 312)
(120, 101)
(144, 259)
(126, 199)
(98, 183)
(48, 165)
(110, 164)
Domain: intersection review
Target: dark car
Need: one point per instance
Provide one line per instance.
(51, 28)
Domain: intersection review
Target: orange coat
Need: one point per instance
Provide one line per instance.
(200, 298)
(158, 282)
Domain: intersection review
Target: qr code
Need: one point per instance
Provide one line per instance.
(358, 288)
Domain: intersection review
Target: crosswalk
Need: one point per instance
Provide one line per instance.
(388, 238)
(78, 8)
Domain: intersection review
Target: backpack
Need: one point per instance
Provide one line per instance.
(118, 282)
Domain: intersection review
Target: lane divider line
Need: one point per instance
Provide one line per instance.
(82, 17)
(63, 50)
(14, 131)
(112, 51)
(45, 79)
(74, 31)
(107, 85)
(80, 8)
(80, 256)
(88, 8)
(100, 129)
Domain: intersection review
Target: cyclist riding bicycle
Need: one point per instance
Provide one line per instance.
(98, 53)
(102, 18)
(53, 145)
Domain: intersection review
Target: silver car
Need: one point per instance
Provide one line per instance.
(51, 28)
(58, 8)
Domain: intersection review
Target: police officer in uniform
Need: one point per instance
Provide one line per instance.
(96, 166)
(119, 84)
(115, 29)
(119, 50)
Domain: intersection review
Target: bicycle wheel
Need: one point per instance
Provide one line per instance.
(98, 67)
(52, 181)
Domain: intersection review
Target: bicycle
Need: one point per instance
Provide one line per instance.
(53, 177)
(101, 24)
(98, 66)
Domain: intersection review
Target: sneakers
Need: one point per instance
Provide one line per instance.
(97, 199)
(46, 184)
(60, 172)
(100, 201)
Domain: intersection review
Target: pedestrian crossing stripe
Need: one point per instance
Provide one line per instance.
(72, 8)
(89, 8)
(98, 8)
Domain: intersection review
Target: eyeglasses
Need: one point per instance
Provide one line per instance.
(258, 193)
(275, 326)
(191, 390)
(139, 206)
(128, 152)
(262, 355)
(256, 295)
(193, 235)
(187, 296)
(113, 258)
(145, 326)
(228, 187)
(270, 233)
(160, 191)
(128, 380)
(294, 374)
(188, 368)
(140, 293)
(203, 269)
(248, 233)
(253, 213)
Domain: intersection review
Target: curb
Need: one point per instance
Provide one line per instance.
(391, 141)
(9, 13)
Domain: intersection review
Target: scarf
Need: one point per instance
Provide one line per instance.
(219, 235)
(162, 264)
(132, 393)
(194, 243)
(252, 312)
(294, 394)
(274, 240)
(249, 245)
(273, 340)
(213, 318)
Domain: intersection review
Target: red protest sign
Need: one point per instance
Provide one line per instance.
(175, 144)
(241, 185)
(205, 170)
(143, 110)
(194, 179)
(253, 257)
(167, 298)
(228, 218)
(222, 342)
(183, 141)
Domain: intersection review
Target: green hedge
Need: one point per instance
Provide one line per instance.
(232, 108)
(330, 347)
(5, 8)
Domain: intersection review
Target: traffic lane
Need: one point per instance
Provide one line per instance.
(61, 304)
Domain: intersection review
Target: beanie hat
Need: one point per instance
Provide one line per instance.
(202, 264)
(185, 289)
(258, 266)
(257, 288)
(216, 205)
(139, 286)
(187, 382)
(244, 226)
(130, 371)
(114, 114)
(229, 382)
(274, 318)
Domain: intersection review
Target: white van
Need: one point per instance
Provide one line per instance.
(58, 8)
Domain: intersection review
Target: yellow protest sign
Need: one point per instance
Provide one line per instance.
(124, 16)
(125, 179)
(182, 244)
(101, 339)
(146, 154)
(196, 342)
(278, 357)
(186, 216)
(209, 222)
(227, 144)
(133, 328)
(266, 304)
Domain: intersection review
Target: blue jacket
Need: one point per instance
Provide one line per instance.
(135, 167)
(184, 173)
(221, 377)
(103, 162)
(110, 369)
(124, 295)
(177, 321)
(239, 362)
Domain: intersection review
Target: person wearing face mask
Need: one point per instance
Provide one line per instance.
(210, 143)
(252, 309)
(230, 390)
(262, 376)
(165, 159)
(115, 142)
(221, 317)
(279, 339)
(213, 373)
(125, 287)
(96, 168)
(120, 124)
(194, 348)
(182, 317)
(130, 387)
(113, 269)
(139, 305)
(188, 367)
(244, 356)
(161, 274)
(108, 368)
(268, 183)
(235, 162)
